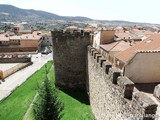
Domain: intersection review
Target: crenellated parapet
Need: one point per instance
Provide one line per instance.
(112, 95)
(69, 34)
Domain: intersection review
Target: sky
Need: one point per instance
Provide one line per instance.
(128, 10)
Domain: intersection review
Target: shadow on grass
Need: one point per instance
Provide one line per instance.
(79, 94)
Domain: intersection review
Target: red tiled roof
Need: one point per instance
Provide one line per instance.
(143, 32)
(26, 37)
(121, 46)
(116, 46)
(151, 43)
(90, 29)
(4, 38)
(147, 32)
(122, 35)
(71, 28)
(109, 46)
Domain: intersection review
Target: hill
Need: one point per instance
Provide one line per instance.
(12, 13)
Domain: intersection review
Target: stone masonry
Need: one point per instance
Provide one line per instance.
(70, 54)
(112, 95)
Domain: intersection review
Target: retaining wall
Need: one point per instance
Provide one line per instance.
(4, 74)
(15, 60)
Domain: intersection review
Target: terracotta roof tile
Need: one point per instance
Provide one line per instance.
(122, 35)
(3, 38)
(152, 43)
(26, 37)
(116, 46)
(108, 47)
(90, 29)
(71, 28)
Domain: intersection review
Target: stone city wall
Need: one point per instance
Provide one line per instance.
(112, 95)
(70, 54)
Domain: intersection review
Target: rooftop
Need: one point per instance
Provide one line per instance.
(71, 28)
(123, 35)
(26, 36)
(25, 31)
(30, 37)
(150, 44)
(116, 46)
(4, 38)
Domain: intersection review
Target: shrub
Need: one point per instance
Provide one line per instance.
(47, 105)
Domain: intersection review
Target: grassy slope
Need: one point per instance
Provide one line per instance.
(75, 101)
(15, 106)
(74, 109)
(50, 77)
(76, 104)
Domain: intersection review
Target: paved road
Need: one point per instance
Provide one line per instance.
(19, 77)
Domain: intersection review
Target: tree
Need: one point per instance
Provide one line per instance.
(47, 106)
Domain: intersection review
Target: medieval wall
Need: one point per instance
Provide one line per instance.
(113, 96)
(69, 54)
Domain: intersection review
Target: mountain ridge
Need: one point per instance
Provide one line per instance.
(12, 13)
(21, 14)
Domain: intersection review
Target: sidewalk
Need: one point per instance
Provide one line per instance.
(19, 77)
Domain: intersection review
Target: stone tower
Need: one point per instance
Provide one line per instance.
(69, 55)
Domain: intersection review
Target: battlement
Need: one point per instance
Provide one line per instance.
(112, 95)
(148, 51)
(69, 34)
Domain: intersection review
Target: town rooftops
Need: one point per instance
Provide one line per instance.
(15, 37)
(71, 28)
(26, 37)
(4, 38)
(116, 46)
(21, 37)
(150, 44)
(122, 35)
(30, 37)
(119, 28)
(143, 34)
(108, 47)
(25, 31)
(90, 29)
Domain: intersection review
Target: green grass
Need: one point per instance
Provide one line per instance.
(15, 106)
(76, 104)
(74, 109)
(50, 77)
